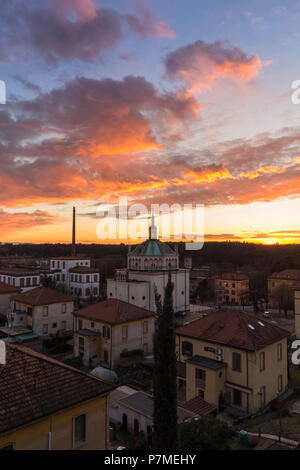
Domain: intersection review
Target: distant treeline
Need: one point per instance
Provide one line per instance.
(222, 255)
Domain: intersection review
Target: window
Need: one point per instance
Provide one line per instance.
(125, 332)
(28, 281)
(64, 325)
(95, 291)
(79, 324)
(280, 383)
(279, 352)
(200, 377)
(79, 430)
(92, 324)
(187, 348)
(237, 397)
(34, 281)
(201, 394)
(263, 395)
(95, 278)
(54, 325)
(45, 311)
(45, 329)
(87, 278)
(22, 282)
(236, 362)
(63, 308)
(106, 332)
(87, 292)
(81, 344)
(262, 361)
(145, 327)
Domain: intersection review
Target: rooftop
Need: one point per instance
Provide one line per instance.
(9, 271)
(7, 288)
(34, 386)
(233, 328)
(207, 362)
(233, 277)
(152, 248)
(71, 258)
(199, 406)
(42, 296)
(142, 403)
(84, 269)
(293, 274)
(113, 311)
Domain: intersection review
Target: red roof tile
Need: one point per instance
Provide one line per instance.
(293, 274)
(42, 296)
(7, 288)
(34, 386)
(113, 311)
(233, 277)
(199, 406)
(232, 328)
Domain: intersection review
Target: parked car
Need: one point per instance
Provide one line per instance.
(267, 315)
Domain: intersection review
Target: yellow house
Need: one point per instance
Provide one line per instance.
(297, 312)
(102, 331)
(233, 360)
(47, 405)
(288, 277)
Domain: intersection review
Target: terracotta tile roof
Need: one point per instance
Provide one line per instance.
(181, 369)
(42, 296)
(293, 274)
(233, 328)
(70, 258)
(33, 386)
(233, 277)
(7, 288)
(8, 271)
(113, 311)
(83, 269)
(199, 406)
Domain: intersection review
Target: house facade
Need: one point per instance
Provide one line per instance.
(232, 288)
(104, 330)
(288, 277)
(6, 293)
(232, 360)
(45, 311)
(76, 275)
(21, 278)
(51, 406)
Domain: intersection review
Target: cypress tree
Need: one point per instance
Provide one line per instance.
(165, 435)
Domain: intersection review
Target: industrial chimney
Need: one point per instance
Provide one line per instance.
(73, 234)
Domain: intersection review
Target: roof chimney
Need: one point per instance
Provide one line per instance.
(73, 234)
(2, 352)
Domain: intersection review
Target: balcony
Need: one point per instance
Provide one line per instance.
(200, 384)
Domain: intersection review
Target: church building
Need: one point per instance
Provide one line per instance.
(148, 265)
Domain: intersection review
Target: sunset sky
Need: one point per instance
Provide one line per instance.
(163, 101)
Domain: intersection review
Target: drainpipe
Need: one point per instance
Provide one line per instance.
(247, 382)
(49, 440)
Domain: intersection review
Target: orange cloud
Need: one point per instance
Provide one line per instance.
(200, 65)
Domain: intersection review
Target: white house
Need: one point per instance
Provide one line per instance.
(45, 311)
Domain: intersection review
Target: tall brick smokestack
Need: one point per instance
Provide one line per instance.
(73, 233)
